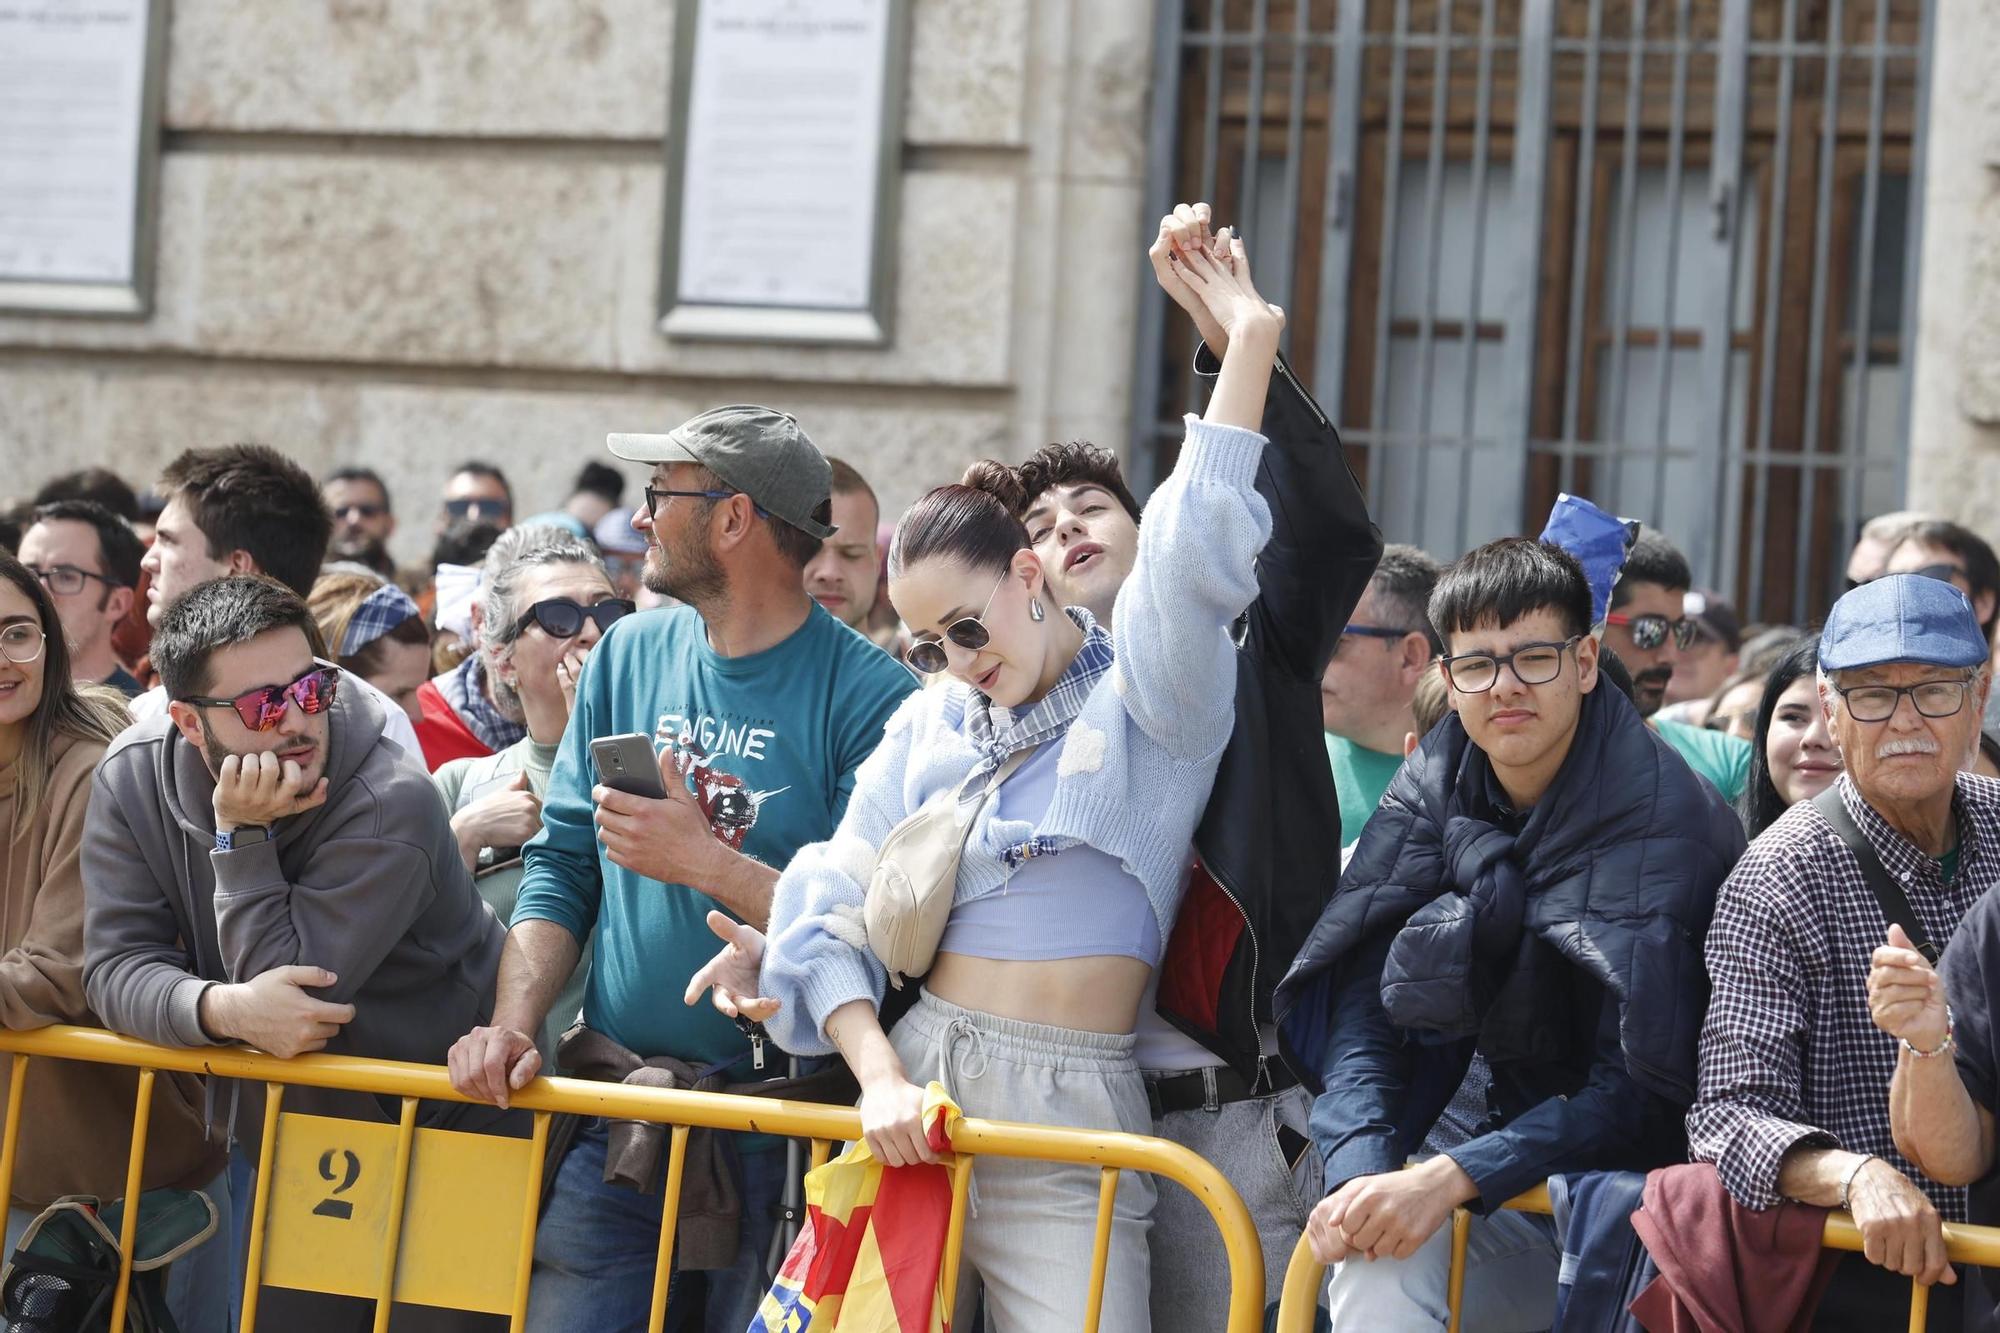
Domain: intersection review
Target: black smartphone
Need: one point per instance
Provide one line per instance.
(629, 764)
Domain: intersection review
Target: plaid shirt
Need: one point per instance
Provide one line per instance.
(997, 732)
(1789, 1055)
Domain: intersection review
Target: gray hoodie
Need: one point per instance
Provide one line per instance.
(369, 886)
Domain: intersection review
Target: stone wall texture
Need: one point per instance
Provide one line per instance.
(1955, 420)
(406, 232)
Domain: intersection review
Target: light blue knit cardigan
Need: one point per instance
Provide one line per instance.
(1136, 766)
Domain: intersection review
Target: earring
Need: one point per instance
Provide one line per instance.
(1035, 610)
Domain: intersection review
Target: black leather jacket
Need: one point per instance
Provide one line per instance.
(1270, 839)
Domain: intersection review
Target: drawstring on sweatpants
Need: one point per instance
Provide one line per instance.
(950, 1071)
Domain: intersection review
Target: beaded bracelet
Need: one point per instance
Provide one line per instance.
(1950, 1039)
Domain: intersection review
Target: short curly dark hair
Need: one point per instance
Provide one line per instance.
(1078, 463)
(222, 613)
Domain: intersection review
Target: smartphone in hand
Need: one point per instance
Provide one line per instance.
(628, 763)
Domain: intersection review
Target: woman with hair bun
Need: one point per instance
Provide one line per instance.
(1074, 868)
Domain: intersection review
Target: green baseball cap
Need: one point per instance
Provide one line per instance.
(759, 451)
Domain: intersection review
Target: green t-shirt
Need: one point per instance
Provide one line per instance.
(1721, 758)
(776, 737)
(1360, 775)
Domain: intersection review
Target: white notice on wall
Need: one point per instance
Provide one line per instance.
(72, 84)
(784, 136)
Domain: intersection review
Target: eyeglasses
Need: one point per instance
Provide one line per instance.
(68, 580)
(1650, 631)
(654, 495)
(1531, 663)
(1878, 703)
(562, 618)
(21, 643)
(969, 633)
(360, 509)
(477, 509)
(264, 707)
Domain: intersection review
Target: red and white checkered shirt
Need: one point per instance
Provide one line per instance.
(1789, 1055)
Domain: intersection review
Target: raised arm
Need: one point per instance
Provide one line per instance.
(1198, 545)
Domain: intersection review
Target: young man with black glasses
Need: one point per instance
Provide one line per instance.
(262, 866)
(1533, 887)
(88, 558)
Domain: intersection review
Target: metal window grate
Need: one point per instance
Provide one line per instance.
(1657, 252)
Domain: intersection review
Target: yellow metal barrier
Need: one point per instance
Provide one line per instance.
(1977, 1246)
(326, 1220)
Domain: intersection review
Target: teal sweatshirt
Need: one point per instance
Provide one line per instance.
(779, 735)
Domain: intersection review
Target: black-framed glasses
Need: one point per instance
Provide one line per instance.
(968, 632)
(655, 494)
(1931, 698)
(1650, 631)
(563, 617)
(264, 707)
(21, 642)
(478, 509)
(1531, 663)
(68, 580)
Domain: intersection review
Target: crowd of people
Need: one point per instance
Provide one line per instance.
(1389, 881)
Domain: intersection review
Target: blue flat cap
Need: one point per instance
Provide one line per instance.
(1902, 618)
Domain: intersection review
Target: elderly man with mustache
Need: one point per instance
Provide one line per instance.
(1794, 1099)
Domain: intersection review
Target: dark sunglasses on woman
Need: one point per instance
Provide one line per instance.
(968, 632)
(264, 707)
(562, 618)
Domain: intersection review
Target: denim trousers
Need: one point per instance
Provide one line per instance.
(1190, 1268)
(197, 1282)
(597, 1246)
(1511, 1263)
(1031, 1226)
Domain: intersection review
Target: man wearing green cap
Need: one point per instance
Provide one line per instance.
(761, 706)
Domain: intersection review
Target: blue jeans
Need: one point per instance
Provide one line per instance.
(197, 1282)
(597, 1245)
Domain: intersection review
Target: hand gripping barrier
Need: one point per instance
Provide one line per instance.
(451, 1221)
(1977, 1246)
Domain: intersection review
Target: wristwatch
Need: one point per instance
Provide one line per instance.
(243, 835)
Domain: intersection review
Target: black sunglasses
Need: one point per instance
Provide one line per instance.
(264, 707)
(486, 509)
(968, 632)
(1650, 631)
(562, 618)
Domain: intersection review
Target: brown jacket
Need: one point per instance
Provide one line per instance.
(76, 1119)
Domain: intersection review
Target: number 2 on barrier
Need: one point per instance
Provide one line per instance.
(333, 1205)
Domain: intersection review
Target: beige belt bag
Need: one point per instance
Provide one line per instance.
(916, 875)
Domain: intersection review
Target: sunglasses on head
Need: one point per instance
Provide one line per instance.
(1650, 631)
(562, 618)
(264, 707)
(968, 632)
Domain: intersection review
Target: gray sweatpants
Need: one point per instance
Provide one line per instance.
(1190, 1268)
(1032, 1226)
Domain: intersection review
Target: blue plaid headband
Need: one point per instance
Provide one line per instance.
(380, 612)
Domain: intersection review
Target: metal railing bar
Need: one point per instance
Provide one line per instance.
(135, 1179)
(822, 1149)
(1582, 238)
(954, 1232)
(1469, 333)
(531, 1209)
(1767, 386)
(260, 1206)
(1628, 230)
(1100, 1254)
(1433, 252)
(1461, 1237)
(1285, 261)
(1853, 434)
(1385, 298)
(10, 1140)
(1676, 162)
(1821, 281)
(1253, 126)
(670, 1216)
(399, 1194)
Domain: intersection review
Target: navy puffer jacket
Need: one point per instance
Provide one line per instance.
(1615, 870)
